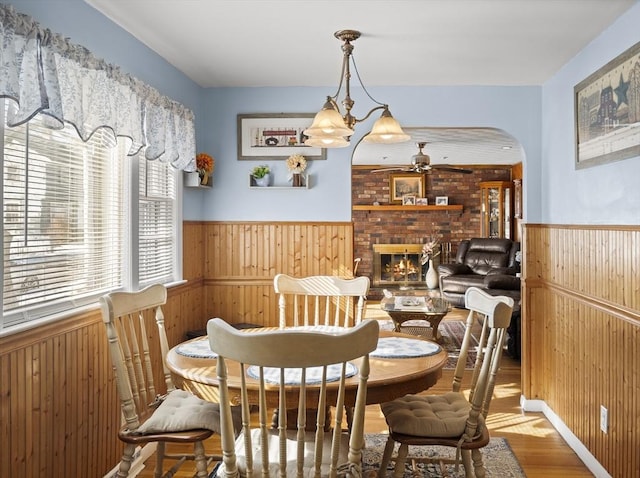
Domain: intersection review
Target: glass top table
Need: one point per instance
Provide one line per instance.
(412, 305)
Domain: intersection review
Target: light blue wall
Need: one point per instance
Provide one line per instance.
(516, 110)
(540, 118)
(605, 194)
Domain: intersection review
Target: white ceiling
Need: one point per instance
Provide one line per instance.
(456, 146)
(404, 42)
(252, 43)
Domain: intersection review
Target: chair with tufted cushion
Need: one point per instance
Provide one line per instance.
(452, 419)
(154, 410)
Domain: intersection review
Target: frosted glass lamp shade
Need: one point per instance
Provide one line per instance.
(328, 123)
(386, 130)
(327, 141)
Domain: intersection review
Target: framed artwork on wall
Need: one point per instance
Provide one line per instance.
(607, 112)
(263, 136)
(403, 184)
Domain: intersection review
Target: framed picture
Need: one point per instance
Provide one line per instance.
(442, 200)
(403, 184)
(422, 202)
(408, 200)
(264, 136)
(607, 112)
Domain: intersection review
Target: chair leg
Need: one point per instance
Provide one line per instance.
(466, 462)
(478, 466)
(386, 457)
(159, 459)
(401, 459)
(126, 461)
(200, 459)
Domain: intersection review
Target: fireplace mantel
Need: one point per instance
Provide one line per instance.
(400, 207)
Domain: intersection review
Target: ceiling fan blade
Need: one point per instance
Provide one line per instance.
(452, 169)
(391, 169)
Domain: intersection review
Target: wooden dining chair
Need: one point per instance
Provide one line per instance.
(304, 369)
(320, 300)
(154, 411)
(452, 419)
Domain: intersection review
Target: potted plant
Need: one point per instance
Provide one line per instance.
(261, 175)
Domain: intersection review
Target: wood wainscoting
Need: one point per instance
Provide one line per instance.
(243, 258)
(581, 338)
(581, 334)
(59, 411)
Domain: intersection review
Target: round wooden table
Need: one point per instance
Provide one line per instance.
(389, 378)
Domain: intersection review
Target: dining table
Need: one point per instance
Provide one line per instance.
(401, 364)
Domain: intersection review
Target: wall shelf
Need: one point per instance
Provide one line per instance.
(400, 207)
(306, 185)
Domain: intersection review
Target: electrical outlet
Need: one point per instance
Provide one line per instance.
(604, 419)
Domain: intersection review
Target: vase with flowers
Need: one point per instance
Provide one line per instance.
(296, 164)
(430, 250)
(204, 165)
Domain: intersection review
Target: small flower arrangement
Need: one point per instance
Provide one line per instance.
(430, 249)
(296, 163)
(204, 163)
(204, 167)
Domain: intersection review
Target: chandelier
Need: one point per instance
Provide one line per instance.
(330, 129)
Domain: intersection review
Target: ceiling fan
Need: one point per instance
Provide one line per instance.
(421, 163)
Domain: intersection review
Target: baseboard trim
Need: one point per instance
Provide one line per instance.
(565, 432)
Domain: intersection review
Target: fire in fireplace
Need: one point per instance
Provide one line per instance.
(397, 265)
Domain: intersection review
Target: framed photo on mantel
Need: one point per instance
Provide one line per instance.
(405, 184)
(264, 136)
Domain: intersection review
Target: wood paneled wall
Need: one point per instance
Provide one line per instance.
(581, 334)
(581, 338)
(243, 258)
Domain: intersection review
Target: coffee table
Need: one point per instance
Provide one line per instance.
(403, 307)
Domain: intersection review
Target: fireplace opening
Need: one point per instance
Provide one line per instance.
(398, 265)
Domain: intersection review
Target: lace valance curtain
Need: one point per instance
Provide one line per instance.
(43, 72)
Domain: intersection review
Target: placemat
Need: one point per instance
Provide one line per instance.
(293, 376)
(400, 347)
(197, 349)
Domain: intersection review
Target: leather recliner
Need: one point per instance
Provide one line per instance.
(487, 263)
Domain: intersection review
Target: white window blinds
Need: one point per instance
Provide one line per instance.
(68, 220)
(157, 222)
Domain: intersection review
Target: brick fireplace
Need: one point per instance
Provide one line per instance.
(406, 225)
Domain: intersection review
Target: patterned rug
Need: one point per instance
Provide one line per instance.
(452, 332)
(498, 458)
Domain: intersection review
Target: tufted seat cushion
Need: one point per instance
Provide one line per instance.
(182, 411)
(442, 416)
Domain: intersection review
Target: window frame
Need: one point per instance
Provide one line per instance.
(70, 306)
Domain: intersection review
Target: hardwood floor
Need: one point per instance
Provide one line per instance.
(537, 445)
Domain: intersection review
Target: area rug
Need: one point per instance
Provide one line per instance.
(498, 458)
(452, 332)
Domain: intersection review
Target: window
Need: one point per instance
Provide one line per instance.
(70, 230)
